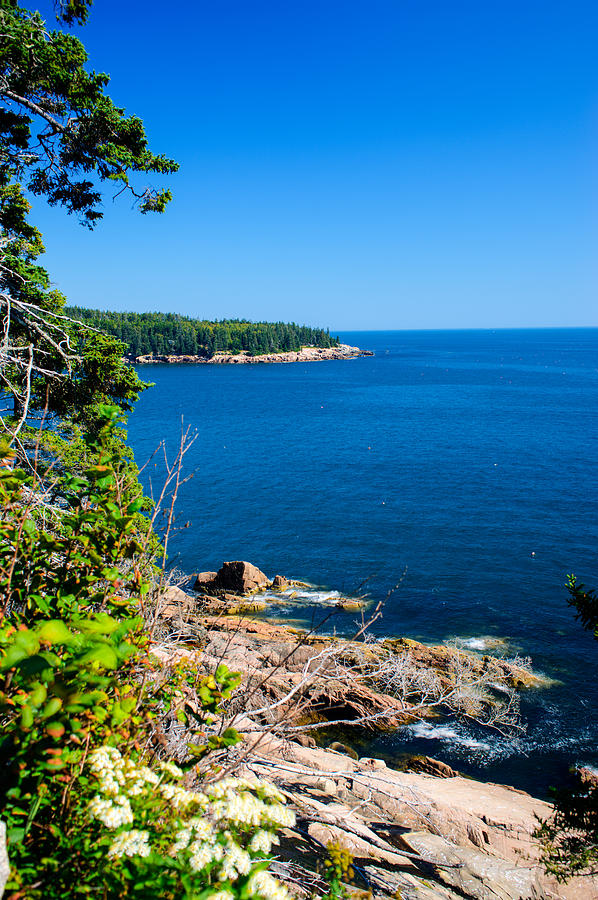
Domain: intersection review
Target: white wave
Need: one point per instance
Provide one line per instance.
(482, 643)
(449, 735)
(304, 595)
(318, 596)
(474, 643)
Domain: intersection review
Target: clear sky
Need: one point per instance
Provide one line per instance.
(362, 165)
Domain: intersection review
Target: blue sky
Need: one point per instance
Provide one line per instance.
(358, 165)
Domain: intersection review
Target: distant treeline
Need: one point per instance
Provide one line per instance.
(168, 333)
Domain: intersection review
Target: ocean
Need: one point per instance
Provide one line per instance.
(464, 460)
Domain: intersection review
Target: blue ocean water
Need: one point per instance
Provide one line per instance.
(469, 457)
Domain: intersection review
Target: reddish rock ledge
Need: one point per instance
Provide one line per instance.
(306, 354)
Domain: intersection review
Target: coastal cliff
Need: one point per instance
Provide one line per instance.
(306, 354)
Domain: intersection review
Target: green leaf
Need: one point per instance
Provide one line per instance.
(102, 623)
(25, 643)
(15, 835)
(54, 632)
(102, 655)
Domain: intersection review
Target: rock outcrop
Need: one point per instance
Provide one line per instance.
(413, 836)
(241, 577)
(428, 834)
(237, 577)
(428, 766)
(301, 679)
(306, 354)
(204, 579)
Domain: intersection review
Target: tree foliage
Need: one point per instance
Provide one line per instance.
(585, 602)
(61, 133)
(76, 675)
(570, 837)
(168, 333)
(77, 678)
(63, 138)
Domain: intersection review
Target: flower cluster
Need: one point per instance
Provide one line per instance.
(130, 843)
(116, 775)
(111, 813)
(261, 884)
(218, 835)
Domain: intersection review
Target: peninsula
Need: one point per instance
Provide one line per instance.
(304, 354)
(169, 337)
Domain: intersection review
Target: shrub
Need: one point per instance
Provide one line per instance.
(78, 682)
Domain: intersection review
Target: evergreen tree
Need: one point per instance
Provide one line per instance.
(570, 838)
(61, 137)
(169, 333)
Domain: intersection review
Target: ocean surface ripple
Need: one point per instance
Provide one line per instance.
(466, 457)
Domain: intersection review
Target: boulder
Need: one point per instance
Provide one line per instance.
(205, 581)
(240, 577)
(279, 582)
(175, 603)
(348, 605)
(174, 594)
(344, 749)
(428, 766)
(587, 776)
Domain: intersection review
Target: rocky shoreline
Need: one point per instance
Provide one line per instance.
(423, 832)
(306, 354)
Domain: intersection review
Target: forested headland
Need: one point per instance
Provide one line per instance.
(177, 335)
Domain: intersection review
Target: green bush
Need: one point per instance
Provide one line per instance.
(78, 680)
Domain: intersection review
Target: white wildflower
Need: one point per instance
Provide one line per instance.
(246, 809)
(230, 785)
(178, 796)
(171, 769)
(262, 841)
(107, 765)
(111, 813)
(202, 829)
(136, 778)
(130, 843)
(222, 895)
(147, 775)
(228, 872)
(108, 784)
(105, 758)
(196, 829)
(135, 788)
(183, 838)
(280, 815)
(242, 809)
(236, 862)
(264, 885)
(203, 853)
(270, 791)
